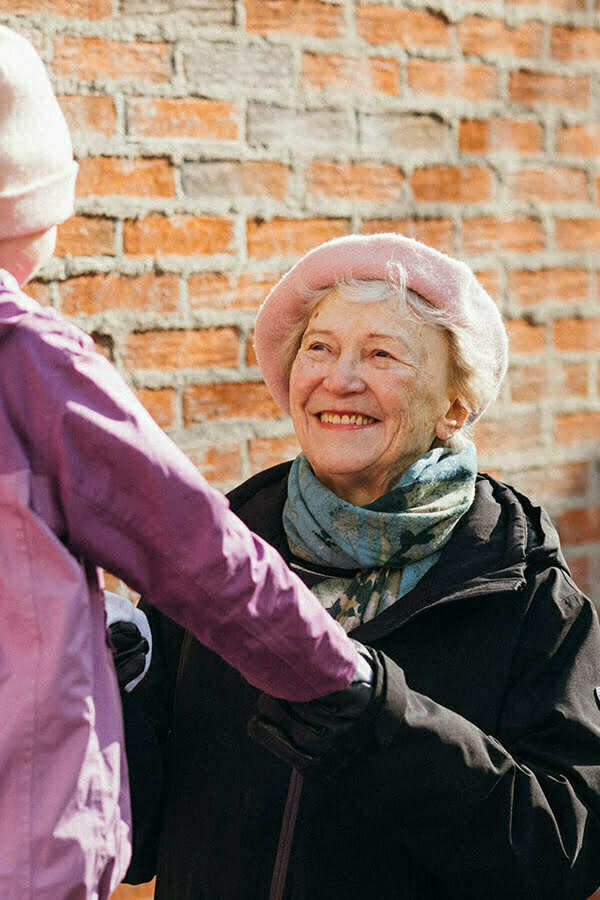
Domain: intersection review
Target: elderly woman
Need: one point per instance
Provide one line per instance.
(466, 763)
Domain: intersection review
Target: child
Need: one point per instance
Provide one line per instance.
(88, 480)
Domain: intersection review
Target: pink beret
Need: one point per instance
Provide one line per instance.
(446, 283)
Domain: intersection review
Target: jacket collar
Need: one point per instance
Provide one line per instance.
(488, 553)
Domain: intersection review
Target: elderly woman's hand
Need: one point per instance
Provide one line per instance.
(325, 734)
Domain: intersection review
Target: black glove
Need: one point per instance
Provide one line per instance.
(325, 734)
(129, 651)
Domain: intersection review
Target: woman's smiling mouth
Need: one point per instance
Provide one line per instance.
(345, 419)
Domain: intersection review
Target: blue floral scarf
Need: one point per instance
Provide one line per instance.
(392, 541)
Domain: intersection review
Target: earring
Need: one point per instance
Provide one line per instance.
(451, 431)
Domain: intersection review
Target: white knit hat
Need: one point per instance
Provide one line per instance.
(447, 283)
(37, 170)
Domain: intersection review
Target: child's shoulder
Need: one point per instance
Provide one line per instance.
(30, 320)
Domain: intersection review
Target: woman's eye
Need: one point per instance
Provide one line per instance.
(316, 345)
(383, 354)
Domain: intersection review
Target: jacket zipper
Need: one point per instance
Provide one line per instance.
(286, 836)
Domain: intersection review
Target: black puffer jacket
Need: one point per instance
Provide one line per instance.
(484, 781)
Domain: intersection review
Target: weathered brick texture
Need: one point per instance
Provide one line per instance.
(218, 140)
(308, 17)
(407, 27)
(91, 58)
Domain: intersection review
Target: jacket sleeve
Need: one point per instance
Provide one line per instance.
(514, 814)
(134, 504)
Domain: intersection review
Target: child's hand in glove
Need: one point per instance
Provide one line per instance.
(324, 734)
(131, 639)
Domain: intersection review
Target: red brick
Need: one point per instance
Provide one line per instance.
(482, 234)
(581, 572)
(577, 234)
(142, 892)
(114, 584)
(246, 178)
(312, 17)
(86, 236)
(568, 6)
(490, 281)
(354, 182)
(579, 526)
(500, 136)
(519, 434)
(220, 464)
(495, 473)
(182, 118)
(89, 113)
(525, 337)
(470, 81)
(552, 185)
(577, 428)
(90, 294)
(408, 27)
(578, 140)
(321, 71)
(576, 335)
(437, 233)
(182, 349)
(250, 357)
(563, 285)
(481, 36)
(384, 75)
(79, 9)
(179, 235)
(533, 88)
(160, 404)
(533, 384)
(265, 452)
(90, 58)
(125, 177)
(545, 483)
(569, 44)
(208, 402)
(291, 237)
(453, 184)
(40, 291)
(260, 178)
(219, 290)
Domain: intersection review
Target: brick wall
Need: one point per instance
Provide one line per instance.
(218, 140)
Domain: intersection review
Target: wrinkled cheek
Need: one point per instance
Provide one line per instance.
(303, 380)
(417, 426)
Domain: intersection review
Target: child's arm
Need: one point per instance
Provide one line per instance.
(134, 504)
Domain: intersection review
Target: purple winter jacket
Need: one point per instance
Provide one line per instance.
(88, 480)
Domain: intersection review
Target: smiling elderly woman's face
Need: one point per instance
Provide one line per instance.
(369, 394)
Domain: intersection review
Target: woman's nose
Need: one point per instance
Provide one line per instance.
(344, 376)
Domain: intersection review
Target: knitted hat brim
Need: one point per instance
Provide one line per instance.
(39, 206)
(447, 283)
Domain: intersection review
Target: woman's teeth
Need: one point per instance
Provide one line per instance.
(345, 419)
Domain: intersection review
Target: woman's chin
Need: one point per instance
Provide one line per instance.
(348, 483)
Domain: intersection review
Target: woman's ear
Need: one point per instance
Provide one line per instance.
(452, 421)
